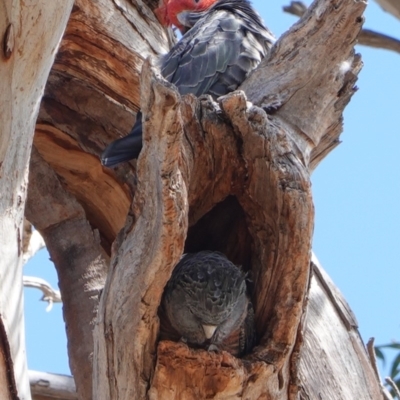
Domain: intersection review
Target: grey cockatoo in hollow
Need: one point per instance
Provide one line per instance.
(222, 44)
(207, 303)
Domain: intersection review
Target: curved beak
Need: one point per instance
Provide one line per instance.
(209, 330)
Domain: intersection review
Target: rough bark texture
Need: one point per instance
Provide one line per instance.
(78, 206)
(264, 162)
(331, 338)
(29, 35)
(225, 176)
(312, 93)
(80, 261)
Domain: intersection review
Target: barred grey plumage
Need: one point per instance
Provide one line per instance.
(221, 47)
(206, 302)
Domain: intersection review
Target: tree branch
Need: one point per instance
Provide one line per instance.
(30, 33)
(322, 47)
(50, 295)
(78, 257)
(391, 6)
(378, 40)
(367, 37)
(372, 357)
(52, 386)
(393, 385)
(90, 99)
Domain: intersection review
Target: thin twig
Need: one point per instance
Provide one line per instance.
(393, 385)
(372, 358)
(378, 40)
(366, 37)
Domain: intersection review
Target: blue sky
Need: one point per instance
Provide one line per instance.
(357, 202)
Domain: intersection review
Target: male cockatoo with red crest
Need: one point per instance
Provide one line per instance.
(223, 42)
(170, 11)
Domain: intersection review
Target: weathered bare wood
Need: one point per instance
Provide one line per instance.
(271, 181)
(393, 385)
(241, 157)
(326, 358)
(366, 37)
(281, 204)
(80, 261)
(183, 373)
(91, 98)
(279, 339)
(129, 303)
(372, 358)
(29, 35)
(296, 8)
(84, 178)
(45, 386)
(319, 75)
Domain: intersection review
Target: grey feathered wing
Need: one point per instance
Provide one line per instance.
(223, 45)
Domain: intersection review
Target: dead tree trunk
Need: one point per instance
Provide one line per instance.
(231, 176)
(29, 36)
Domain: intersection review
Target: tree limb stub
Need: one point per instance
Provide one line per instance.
(379, 40)
(45, 386)
(319, 49)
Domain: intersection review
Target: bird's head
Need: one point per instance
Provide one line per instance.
(170, 11)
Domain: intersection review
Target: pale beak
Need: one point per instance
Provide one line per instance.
(209, 330)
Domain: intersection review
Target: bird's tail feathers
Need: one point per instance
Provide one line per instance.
(126, 148)
(121, 150)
